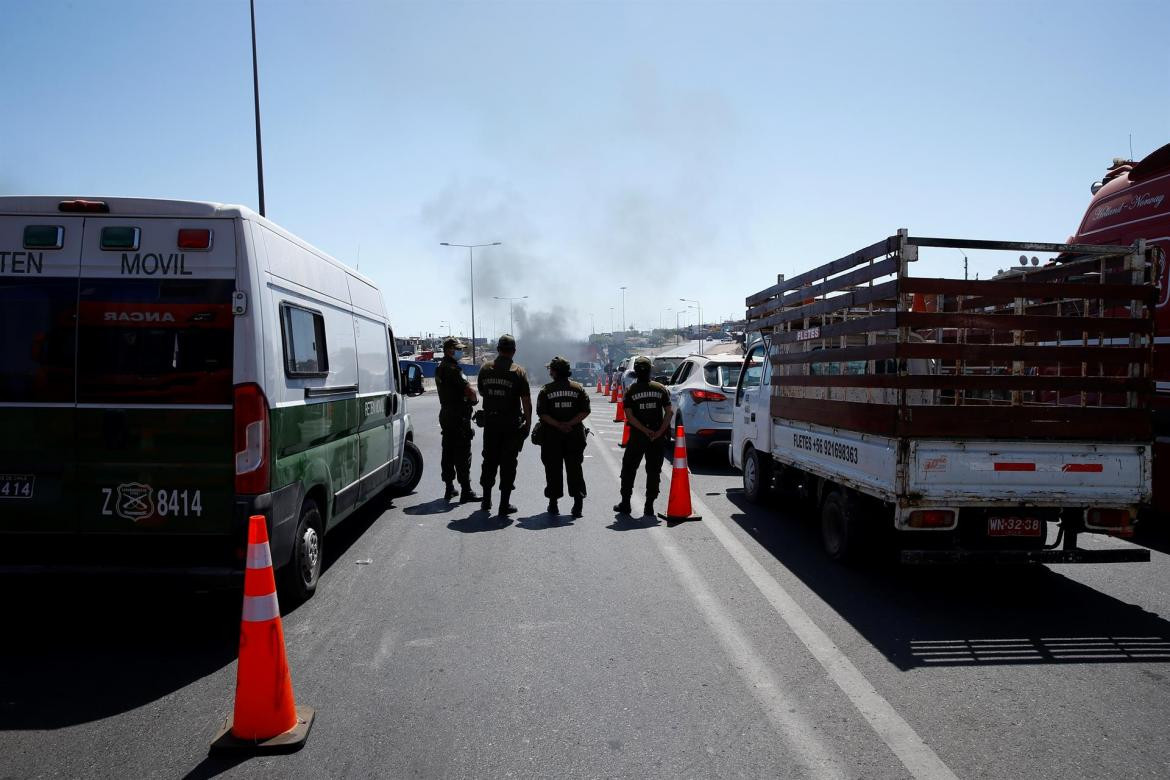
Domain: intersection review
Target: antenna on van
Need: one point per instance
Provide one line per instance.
(358, 265)
(1131, 146)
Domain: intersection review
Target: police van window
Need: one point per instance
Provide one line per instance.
(154, 341)
(37, 339)
(304, 342)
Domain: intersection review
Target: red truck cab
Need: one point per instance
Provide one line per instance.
(1132, 202)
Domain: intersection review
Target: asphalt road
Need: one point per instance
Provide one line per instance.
(445, 643)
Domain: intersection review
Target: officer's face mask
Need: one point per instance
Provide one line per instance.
(458, 354)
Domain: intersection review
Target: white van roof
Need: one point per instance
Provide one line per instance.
(160, 207)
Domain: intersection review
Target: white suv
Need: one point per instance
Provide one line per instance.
(702, 392)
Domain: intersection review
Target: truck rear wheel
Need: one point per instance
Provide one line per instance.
(839, 527)
(757, 475)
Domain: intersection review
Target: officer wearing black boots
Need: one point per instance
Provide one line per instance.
(562, 406)
(456, 399)
(507, 419)
(648, 413)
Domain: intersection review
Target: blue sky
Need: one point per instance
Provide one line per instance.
(683, 149)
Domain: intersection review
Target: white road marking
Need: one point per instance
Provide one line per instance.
(778, 703)
(918, 758)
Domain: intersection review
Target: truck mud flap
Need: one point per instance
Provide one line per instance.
(929, 557)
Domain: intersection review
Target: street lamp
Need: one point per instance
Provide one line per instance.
(509, 300)
(610, 320)
(471, 272)
(699, 306)
(623, 308)
(660, 316)
(448, 324)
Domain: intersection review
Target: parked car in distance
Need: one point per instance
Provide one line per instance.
(702, 390)
(663, 368)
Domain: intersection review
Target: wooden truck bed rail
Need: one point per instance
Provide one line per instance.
(1061, 351)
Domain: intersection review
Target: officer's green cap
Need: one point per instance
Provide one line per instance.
(506, 342)
(452, 343)
(641, 362)
(559, 364)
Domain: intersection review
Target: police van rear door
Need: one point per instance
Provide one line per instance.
(154, 377)
(39, 258)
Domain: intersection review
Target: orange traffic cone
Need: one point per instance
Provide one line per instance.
(599, 391)
(266, 717)
(625, 434)
(613, 393)
(678, 507)
(620, 414)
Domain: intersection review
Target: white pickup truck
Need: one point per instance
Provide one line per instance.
(959, 418)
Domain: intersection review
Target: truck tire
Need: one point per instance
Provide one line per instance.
(839, 527)
(411, 471)
(757, 475)
(299, 577)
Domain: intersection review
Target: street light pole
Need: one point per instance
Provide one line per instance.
(471, 275)
(509, 300)
(623, 309)
(256, 100)
(699, 306)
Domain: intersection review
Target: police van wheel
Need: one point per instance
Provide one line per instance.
(411, 471)
(304, 567)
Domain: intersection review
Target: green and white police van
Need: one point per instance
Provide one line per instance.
(168, 368)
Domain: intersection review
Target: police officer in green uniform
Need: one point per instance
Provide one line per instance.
(456, 398)
(562, 405)
(507, 419)
(648, 414)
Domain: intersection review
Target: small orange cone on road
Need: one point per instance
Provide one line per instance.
(599, 390)
(620, 414)
(266, 718)
(613, 393)
(678, 507)
(625, 434)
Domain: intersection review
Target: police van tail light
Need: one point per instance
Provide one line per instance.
(251, 436)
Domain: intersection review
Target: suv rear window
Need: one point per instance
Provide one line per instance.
(721, 374)
(155, 341)
(38, 334)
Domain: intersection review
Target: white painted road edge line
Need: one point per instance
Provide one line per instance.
(801, 737)
(892, 728)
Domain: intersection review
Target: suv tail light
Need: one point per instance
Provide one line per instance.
(699, 396)
(251, 437)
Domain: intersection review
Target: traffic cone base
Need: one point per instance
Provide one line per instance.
(678, 507)
(288, 742)
(619, 414)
